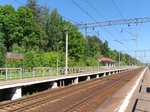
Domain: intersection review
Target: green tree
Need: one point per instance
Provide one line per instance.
(35, 8)
(32, 34)
(40, 35)
(76, 45)
(105, 49)
(94, 45)
(2, 51)
(40, 15)
(9, 25)
(53, 30)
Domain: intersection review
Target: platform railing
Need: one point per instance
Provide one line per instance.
(21, 73)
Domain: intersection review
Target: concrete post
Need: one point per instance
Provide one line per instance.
(97, 76)
(104, 75)
(63, 83)
(76, 80)
(60, 83)
(88, 78)
(66, 64)
(55, 85)
(16, 93)
(72, 81)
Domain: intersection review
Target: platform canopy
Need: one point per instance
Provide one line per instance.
(106, 60)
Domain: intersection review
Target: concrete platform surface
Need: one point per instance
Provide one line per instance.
(139, 101)
(141, 98)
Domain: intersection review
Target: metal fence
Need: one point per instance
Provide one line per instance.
(21, 73)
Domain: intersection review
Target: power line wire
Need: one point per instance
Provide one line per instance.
(83, 10)
(88, 14)
(121, 15)
(70, 19)
(61, 15)
(19, 2)
(95, 9)
(95, 19)
(118, 9)
(138, 31)
(99, 14)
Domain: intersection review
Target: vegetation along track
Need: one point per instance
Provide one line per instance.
(72, 98)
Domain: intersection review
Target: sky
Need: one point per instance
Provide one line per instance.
(120, 37)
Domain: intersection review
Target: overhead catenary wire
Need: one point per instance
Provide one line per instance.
(95, 9)
(70, 20)
(104, 39)
(19, 2)
(73, 20)
(138, 31)
(127, 32)
(83, 10)
(121, 15)
(138, 53)
(137, 37)
(115, 22)
(87, 14)
(133, 37)
(118, 9)
(95, 21)
(103, 18)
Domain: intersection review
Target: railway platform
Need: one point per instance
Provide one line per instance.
(133, 97)
(12, 89)
(140, 101)
(86, 96)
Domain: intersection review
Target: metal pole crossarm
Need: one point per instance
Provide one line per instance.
(136, 50)
(114, 22)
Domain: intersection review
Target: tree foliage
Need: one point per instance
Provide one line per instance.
(2, 51)
(40, 35)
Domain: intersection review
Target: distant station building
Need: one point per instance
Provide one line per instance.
(107, 62)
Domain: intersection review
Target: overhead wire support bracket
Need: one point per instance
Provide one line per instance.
(114, 22)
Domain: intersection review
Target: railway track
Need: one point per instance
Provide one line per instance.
(49, 93)
(72, 98)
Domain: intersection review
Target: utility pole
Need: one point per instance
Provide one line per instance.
(119, 59)
(57, 58)
(66, 65)
(135, 59)
(129, 62)
(85, 30)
